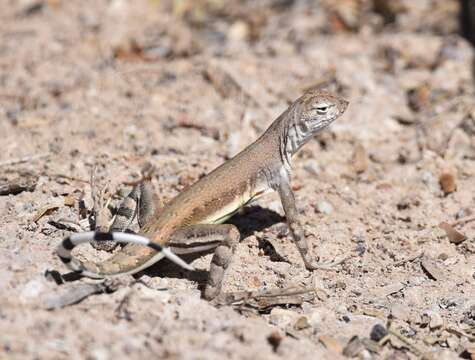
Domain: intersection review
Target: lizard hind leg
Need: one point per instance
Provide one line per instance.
(148, 203)
(202, 237)
(141, 202)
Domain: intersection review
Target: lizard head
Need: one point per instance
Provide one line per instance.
(320, 108)
(313, 111)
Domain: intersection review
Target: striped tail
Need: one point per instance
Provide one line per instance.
(65, 248)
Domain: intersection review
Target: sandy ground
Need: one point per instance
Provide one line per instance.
(182, 86)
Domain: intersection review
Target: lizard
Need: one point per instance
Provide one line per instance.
(193, 221)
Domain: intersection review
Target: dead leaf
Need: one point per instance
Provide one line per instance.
(447, 183)
(454, 236)
(69, 200)
(331, 343)
(360, 159)
(373, 313)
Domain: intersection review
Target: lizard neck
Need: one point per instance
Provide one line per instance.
(291, 134)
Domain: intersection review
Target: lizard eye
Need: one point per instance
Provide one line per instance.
(322, 109)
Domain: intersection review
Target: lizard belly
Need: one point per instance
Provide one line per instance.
(225, 212)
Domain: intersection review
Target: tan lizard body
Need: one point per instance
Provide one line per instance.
(189, 223)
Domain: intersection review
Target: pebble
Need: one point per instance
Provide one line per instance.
(378, 332)
(453, 342)
(430, 181)
(400, 312)
(353, 348)
(281, 317)
(317, 317)
(239, 31)
(32, 290)
(324, 207)
(312, 167)
(99, 354)
(435, 319)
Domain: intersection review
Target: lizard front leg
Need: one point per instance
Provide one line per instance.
(288, 203)
(203, 237)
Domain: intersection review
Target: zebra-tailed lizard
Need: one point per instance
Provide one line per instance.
(193, 221)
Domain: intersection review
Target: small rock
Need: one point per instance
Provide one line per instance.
(435, 320)
(453, 342)
(281, 317)
(99, 354)
(32, 290)
(317, 317)
(430, 181)
(430, 340)
(443, 256)
(378, 332)
(340, 284)
(312, 167)
(432, 269)
(445, 354)
(239, 31)
(324, 207)
(400, 312)
(471, 351)
(459, 145)
(233, 144)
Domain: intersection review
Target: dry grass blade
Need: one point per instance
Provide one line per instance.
(464, 220)
(45, 210)
(409, 259)
(267, 298)
(23, 159)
